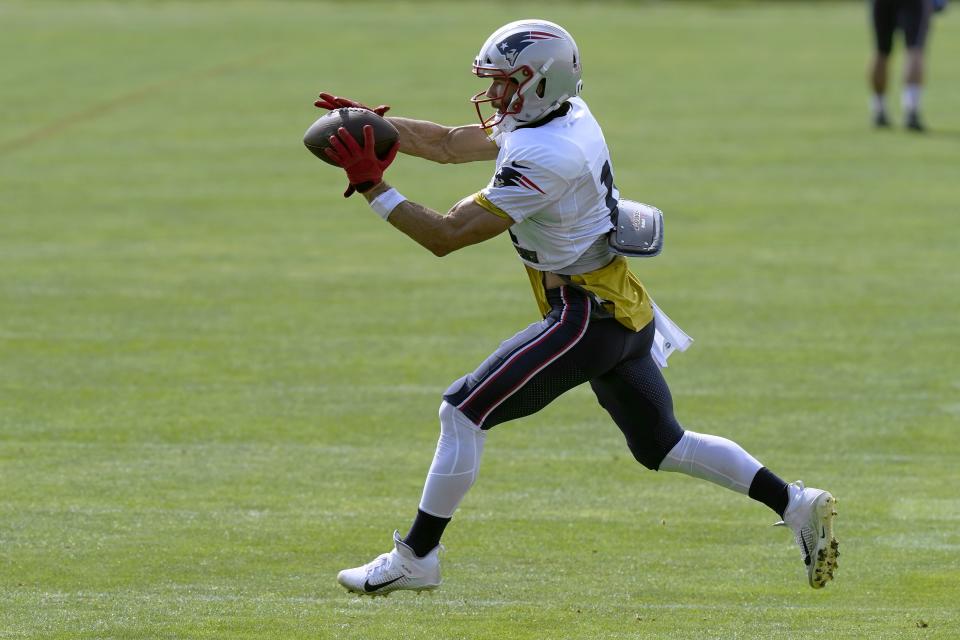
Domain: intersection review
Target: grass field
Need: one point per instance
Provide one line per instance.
(219, 380)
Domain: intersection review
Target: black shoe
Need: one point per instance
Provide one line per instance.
(880, 120)
(914, 123)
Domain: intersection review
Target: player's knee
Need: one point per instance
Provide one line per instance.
(649, 455)
(446, 415)
(453, 420)
(644, 456)
(651, 450)
(461, 444)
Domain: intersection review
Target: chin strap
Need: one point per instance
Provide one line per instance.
(519, 95)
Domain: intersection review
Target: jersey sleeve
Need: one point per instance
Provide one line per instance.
(521, 188)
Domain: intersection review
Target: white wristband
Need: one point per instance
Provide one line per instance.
(386, 202)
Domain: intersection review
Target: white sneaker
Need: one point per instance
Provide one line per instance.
(399, 569)
(810, 514)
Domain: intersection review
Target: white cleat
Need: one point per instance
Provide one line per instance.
(399, 569)
(809, 514)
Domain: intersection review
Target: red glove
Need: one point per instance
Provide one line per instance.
(364, 169)
(332, 102)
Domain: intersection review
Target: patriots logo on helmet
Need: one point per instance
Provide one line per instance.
(509, 176)
(513, 45)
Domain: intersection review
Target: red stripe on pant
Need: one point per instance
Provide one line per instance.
(526, 363)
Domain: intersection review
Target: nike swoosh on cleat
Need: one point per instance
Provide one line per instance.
(370, 588)
(806, 551)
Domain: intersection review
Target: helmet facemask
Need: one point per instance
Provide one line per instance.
(521, 77)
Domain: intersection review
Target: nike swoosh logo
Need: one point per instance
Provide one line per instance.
(823, 533)
(370, 588)
(806, 551)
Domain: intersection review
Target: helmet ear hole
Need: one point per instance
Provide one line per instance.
(541, 87)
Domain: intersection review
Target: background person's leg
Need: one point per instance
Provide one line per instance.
(883, 20)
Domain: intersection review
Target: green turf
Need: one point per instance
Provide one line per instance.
(219, 380)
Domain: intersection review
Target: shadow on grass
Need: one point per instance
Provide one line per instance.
(943, 133)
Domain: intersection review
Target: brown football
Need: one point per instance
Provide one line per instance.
(317, 137)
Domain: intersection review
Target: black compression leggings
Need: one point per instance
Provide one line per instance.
(566, 349)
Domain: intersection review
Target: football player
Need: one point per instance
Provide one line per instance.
(552, 191)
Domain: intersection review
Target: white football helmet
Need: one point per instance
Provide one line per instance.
(544, 61)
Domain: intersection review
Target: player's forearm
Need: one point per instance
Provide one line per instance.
(423, 225)
(421, 138)
(439, 143)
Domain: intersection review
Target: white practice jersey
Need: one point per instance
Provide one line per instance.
(555, 181)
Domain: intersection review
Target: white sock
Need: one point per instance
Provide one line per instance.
(878, 104)
(911, 98)
(712, 458)
(456, 463)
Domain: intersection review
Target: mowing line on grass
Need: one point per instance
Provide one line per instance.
(103, 108)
